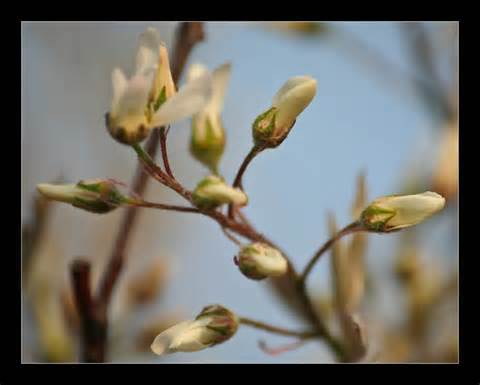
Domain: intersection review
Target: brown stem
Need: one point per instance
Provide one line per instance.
(256, 149)
(189, 34)
(162, 206)
(163, 146)
(352, 227)
(92, 321)
(276, 329)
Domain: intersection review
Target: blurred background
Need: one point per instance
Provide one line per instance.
(386, 106)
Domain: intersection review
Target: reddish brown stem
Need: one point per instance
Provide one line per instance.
(163, 145)
(243, 167)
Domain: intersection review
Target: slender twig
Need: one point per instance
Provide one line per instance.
(256, 149)
(278, 330)
(231, 237)
(163, 147)
(352, 227)
(163, 206)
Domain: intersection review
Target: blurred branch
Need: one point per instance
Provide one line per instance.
(434, 95)
(378, 64)
(188, 34)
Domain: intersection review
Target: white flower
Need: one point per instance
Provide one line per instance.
(398, 211)
(214, 325)
(272, 126)
(208, 135)
(148, 98)
(259, 261)
(212, 191)
(94, 195)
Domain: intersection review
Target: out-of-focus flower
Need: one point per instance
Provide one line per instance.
(212, 191)
(57, 344)
(214, 325)
(208, 134)
(259, 260)
(94, 195)
(144, 287)
(272, 126)
(396, 212)
(148, 99)
(304, 28)
(445, 177)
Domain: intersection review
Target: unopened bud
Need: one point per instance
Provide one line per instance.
(215, 324)
(272, 126)
(259, 260)
(208, 134)
(94, 195)
(212, 191)
(208, 140)
(395, 212)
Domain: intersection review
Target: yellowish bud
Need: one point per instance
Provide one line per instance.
(259, 261)
(94, 195)
(272, 126)
(212, 192)
(396, 212)
(214, 325)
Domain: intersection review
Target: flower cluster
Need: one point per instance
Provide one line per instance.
(149, 99)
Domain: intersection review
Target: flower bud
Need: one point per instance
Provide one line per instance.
(94, 195)
(215, 324)
(259, 260)
(212, 191)
(395, 212)
(207, 142)
(272, 126)
(208, 134)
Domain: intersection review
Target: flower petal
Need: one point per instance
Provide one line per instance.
(187, 101)
(195, 71)
(220, 78)
(134, 99)
(162, 343)
(119, 82)
(148, 51)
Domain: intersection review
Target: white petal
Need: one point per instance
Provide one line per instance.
(148, 51)
(187, 101)
(220, 78)
(119, 82)
(292, 99)
(134, 99)
(162, 343)
(412, 209)
(195, 71)
(288, 86)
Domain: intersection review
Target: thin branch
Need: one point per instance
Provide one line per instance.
(162, 206)
(278, 330)
(243, 167)
(163, 146)
(231, 237)
(80, 272)
(351, 228)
